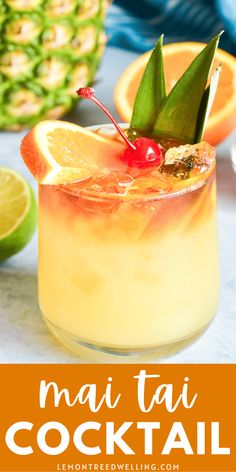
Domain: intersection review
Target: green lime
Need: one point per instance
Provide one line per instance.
(18, 213)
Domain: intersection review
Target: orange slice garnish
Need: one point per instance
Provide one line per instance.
(57, 152)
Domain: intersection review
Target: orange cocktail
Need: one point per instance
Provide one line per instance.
(128, 261)
(128, 247)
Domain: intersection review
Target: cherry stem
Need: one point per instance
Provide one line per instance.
(89, 94)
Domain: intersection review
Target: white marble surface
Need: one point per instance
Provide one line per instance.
(24, 337)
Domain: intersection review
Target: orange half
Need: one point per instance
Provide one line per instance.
(57, 152)
(177, 57)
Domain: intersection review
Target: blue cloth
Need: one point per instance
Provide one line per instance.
(136, 24)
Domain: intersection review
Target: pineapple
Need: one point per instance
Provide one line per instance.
(48, 49)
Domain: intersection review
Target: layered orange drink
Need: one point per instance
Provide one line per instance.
(128, 254)
(128, 261)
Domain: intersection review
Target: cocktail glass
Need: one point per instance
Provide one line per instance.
(128, 274)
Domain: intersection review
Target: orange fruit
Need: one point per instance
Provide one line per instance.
(57, 152)
(177, 57)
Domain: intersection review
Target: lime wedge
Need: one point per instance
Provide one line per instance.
(18, 213)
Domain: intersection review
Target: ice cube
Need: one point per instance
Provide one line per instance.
(109, 183)
(152, 183)
(131, 220)
(181, 161)
(199, 152)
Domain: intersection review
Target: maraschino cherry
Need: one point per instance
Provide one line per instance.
(143, 152)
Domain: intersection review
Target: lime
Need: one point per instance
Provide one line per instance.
(18, 212)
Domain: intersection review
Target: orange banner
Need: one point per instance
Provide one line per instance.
(117, 417)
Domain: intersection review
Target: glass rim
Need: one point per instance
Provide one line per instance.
(137, 198)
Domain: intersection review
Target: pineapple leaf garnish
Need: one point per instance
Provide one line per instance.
(206, 104)
(151, 93)
(179, 114)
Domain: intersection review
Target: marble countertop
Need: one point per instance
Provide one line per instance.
(24, 338)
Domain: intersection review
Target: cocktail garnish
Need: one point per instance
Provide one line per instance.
(148, 153)
(182, 115)
(150, 95)
(174, 119)
(143, 152)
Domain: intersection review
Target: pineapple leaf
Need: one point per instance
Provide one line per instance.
(179, 114)
(206, 104)
(151, 92)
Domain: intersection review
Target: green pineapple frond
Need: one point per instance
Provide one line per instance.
(151, 93)
(182, 115)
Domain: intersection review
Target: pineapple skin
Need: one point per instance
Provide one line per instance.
(48, 49)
